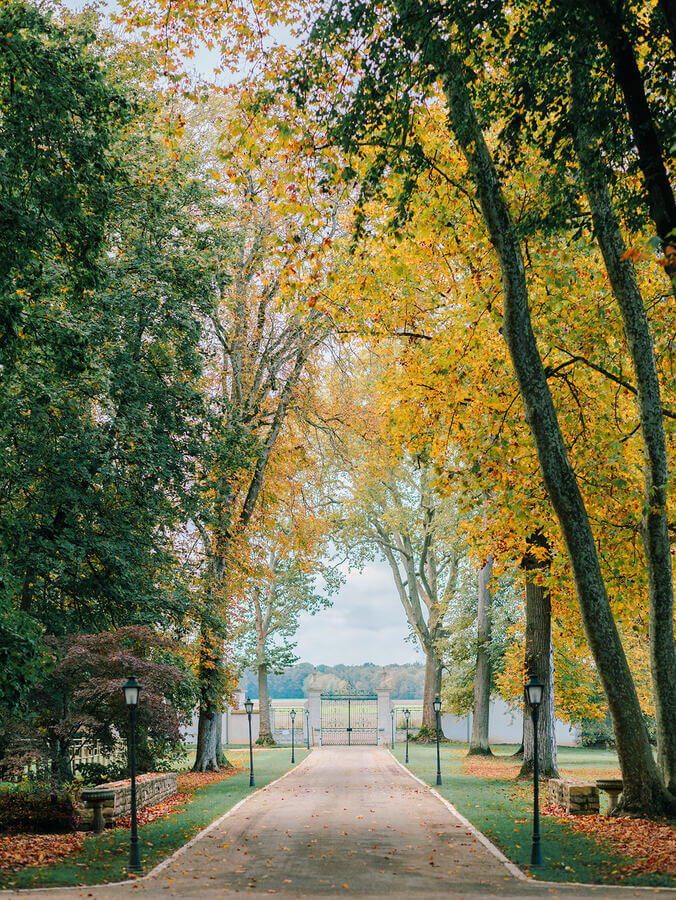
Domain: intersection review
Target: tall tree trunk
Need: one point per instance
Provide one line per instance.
(655, 525)
(61, 767)
(643, 788)
(660, 195)
(208, 737)
(210, 719)
(265, 728)
(432, 689)
(539, 661)
(482, 677)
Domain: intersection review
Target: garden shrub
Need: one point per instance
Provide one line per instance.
(93, 773)
(39, 809)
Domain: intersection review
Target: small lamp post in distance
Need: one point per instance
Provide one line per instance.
(131, 691)
(534, 690)
(437, 711)
(307, 728)
(392, 716)
(407, 716)
(248, 706)
(292, 716)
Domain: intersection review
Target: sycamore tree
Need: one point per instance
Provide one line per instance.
(391, 61)
(264, 334)
(288, 572)
(387, 504)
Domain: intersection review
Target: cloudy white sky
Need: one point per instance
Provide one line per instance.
(365, 624)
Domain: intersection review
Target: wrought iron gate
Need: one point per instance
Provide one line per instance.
(349, 719)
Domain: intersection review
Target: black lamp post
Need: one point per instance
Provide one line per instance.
(307, 728)
(407, 716)
(131, 692)
(248, 706)
(392, 715)
(437, 711)
(534, 690)
(292, 715)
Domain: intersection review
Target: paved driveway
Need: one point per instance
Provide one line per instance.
(345, 822)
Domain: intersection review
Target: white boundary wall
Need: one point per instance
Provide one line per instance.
(505, 724)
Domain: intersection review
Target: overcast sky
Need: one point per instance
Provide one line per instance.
(365, 624)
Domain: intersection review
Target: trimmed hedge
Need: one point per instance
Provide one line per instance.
(38, 809)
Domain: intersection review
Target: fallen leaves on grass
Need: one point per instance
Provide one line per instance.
(651, 845)
(158, 811)
(20, 850)
(502, 767)
(193, 781)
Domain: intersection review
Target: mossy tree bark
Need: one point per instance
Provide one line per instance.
(655, 524)
(539, 661)
(643, 788)
(614, 35)
(265, 728)
(482, 677)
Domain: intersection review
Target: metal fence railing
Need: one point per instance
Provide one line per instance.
(415, 720)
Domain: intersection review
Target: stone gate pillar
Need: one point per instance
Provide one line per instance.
(314, 705)
(383, 691)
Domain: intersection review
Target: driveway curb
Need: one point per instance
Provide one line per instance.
(508, 864)
(165, 862)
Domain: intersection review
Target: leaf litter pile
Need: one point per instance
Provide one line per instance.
(649, 845)
(18, 851)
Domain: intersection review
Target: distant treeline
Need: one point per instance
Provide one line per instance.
(406, 680)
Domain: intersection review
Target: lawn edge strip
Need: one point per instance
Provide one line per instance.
(512, 867)
(163, 863)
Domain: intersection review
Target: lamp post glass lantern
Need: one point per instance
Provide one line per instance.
(248, 706)
(131, 692)
(292, 716)
(534, 690)
(407, 716)
(437, 712)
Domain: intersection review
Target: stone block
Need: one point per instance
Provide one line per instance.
(575, 797)
(150, 789)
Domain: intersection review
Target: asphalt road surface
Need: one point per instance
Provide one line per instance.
(346, 822)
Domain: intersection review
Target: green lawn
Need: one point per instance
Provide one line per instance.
(502, 809)
(104, 857)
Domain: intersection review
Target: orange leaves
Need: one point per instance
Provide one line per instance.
(20, 850)
(651, 845)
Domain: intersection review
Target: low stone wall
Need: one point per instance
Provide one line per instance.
(579, 799)
(150, 789)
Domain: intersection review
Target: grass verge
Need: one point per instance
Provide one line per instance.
(104, 857)
(502, 809)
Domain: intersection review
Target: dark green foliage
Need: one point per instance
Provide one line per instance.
(92, 774)
(38, 808)
(101, 419)
(59, 115)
